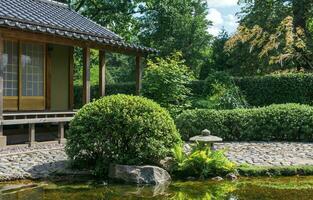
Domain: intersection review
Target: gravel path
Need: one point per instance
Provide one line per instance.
(42, 160)
(269, 154)
(36, 162)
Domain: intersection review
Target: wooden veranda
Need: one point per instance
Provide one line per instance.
(37, 63)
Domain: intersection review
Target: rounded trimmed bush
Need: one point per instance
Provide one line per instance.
(121, 129)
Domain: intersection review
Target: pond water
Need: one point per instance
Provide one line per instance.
(288, 188)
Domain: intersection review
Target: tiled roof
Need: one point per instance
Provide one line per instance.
(50, 17)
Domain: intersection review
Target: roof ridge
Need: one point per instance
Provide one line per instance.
(56, 3)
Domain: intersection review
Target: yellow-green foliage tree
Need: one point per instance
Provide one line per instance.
(276, 31)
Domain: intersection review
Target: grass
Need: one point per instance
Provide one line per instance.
(255, 171)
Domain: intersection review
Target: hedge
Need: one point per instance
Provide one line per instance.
(288, 122)
(270, 89)
(111, 89)
(258, 90)
(277, 89)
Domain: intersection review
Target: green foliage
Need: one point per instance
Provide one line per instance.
(275, 32)
(224, 97)
(168, 25)
(219, 59)
(216, 77)
(119, 68)
(277, 89)
(264, 90)
(165, 81)
(120, 129)
(220, 92)
(110, 89)
(202, 162)
(288, 122)
(175, 25)
(196, 87)
(117, 15)
(253, 171)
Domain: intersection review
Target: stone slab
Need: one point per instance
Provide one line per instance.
(206, 139)
(3, 141)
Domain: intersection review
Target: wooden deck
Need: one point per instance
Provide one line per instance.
(33, 118)
(18, 118)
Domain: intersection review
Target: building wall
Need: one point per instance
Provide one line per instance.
(59, 77)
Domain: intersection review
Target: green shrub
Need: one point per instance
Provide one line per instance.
(289, 122)
(277, 89)
(202, 162)
(120, 129)
(224, 97)
(196, 87)
(216, 78)
(166, 80)
(266, 90)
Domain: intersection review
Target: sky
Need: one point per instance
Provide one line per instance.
(222, 14)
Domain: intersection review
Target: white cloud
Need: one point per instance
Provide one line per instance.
(215, 16)
(231, 21)
(221, 3)
(213, 30)
(220, 21)
(217, 19)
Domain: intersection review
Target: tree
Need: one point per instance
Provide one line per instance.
(277, 32)
(116, 15)
(167, 25)
(166, 80)
(177, 25)
(218, 60)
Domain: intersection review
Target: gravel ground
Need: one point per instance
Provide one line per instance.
(32, 163)
(269, 153)
(42, 160)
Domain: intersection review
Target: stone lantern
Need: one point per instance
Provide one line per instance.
(206, 139)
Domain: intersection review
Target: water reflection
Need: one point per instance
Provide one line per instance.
(246, 189)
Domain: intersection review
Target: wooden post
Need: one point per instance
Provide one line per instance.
(86, 75)
(71, 79)
(3, 140)
(48, 76)
(31, 134)
(61, 137)
(138, 75)
(102, 73)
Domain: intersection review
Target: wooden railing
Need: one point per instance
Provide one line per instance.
(33, 118)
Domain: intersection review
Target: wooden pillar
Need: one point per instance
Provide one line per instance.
(71, 79)
(31, 134)
(48, 76)
(3, 140)
(102, 73)
(86, 75)
(138, 75)
(61, 137)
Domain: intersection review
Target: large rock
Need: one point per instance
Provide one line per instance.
(139, 174)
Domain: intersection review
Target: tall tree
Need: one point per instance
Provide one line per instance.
(276, 31)
(167, 25)
(116, 15)
(177, 25)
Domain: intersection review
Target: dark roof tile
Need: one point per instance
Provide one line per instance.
(56, 18)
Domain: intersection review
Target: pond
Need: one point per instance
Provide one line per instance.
(287, 188)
